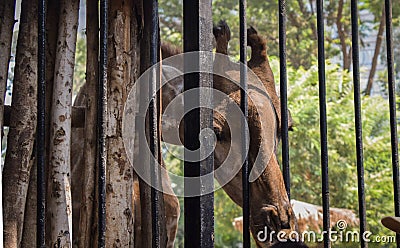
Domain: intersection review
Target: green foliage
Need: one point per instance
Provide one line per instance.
(263, 15)
(260, 15)
(80, 63)
(305, 144)
(170, 12)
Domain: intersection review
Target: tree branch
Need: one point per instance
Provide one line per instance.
(378, 44)
(342, 36)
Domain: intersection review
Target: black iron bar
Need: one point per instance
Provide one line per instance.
(198, 210)
(101, 116)
(153, 129)
(283, 92)
(40, 131)
(358, 120)
(244, 108)
(323, 122)
(392, 106)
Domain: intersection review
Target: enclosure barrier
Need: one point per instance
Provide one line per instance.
(244, 108)
(101, 116)
(156, 196)
(199, 218)
(198, 210)
(40, 128)
(358, 120)
(392, 109)
(323, 122)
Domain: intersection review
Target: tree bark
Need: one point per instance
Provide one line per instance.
(59, 185)
(29, 230)
(22, 127)
(52, 22)
(379, 39)
(119, 172)
(143, 154)
(7, 9)
(86, 230)
(137, 25)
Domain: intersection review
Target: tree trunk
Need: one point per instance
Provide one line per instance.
(7, 9)
(119, 172)
(22, 127)
(85, 234)
(139, 194)
(29, 230)
(52, 22)
(142, 153)
(59, 185)
(379, 39)
(342, 37)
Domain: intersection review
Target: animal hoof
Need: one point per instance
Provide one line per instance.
(222, 31)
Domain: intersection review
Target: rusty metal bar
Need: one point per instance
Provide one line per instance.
(392, 106)
(199, 207)
(101, 116)
(245, 138)
(40, 129)
(358, 119)
(323, 121)
(283, 92)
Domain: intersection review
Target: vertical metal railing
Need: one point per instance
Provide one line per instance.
(199, 218)
(198, 210)
(283, 92)
(323, 122)
(101, 120)
(392, 106)
(245, 138)
(40, 129)
(358, 119)
(156, 196)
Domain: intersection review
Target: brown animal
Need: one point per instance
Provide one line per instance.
(258, 63)
(269, 204)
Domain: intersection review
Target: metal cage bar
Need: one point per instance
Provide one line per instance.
(40, 129)
(101, 120)
(392, 106)
(323, 122)
(198, 210)
(156, 196)
(283, 92)
(358, 119)
(245, 138)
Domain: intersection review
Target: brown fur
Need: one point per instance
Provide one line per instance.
(269, 204)
(169, 50)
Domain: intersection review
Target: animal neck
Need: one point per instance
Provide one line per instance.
(259, 53)
(222, 47)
